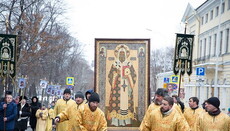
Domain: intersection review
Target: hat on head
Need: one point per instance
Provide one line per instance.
(67, 90)
(22, 97)
(8, 93)
(79, 94)
(214, 101)
(94, 97)
(162, 92)
(88, 92)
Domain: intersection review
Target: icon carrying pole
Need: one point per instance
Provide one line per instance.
(180, 64)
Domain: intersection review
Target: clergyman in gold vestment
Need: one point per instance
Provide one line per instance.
(166, 118)
(213, 119)
(60, 106)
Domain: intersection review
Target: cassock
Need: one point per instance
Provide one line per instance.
(191, 116)
(151, 107)
(70, 114)
(207, 122)
(41, 119)
(60, 106)
(91, 121)
(50, 119)
(172, 121)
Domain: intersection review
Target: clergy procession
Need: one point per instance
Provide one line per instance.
(51, 79)
(83, 114)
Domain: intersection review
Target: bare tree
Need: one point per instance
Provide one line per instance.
(161, 61)
(45, 48)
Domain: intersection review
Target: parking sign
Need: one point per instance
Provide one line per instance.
(200, 71)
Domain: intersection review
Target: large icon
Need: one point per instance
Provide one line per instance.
(69, 80)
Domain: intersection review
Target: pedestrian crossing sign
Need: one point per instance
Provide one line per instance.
(175, 79)
(69, 80)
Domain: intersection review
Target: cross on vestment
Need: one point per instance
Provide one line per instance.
(5, 66)
(124, 86)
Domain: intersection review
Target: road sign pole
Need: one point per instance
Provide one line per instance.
(179, 85)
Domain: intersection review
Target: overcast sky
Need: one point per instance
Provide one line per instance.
(158, 20)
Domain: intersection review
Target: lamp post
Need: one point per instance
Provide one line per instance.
(217, 54)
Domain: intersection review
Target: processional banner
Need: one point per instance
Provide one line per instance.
(8, 55)
(183, 54)
(122, 80)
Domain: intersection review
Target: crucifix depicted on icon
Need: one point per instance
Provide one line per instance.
(124, 86)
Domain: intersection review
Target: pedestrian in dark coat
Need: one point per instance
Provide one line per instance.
(23, 114)
(34, 106)
(8, 113)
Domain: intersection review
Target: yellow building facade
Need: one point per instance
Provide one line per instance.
(210, 23)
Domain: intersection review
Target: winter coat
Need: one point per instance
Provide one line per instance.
(21, 121)
(10, 114)
(34, 106)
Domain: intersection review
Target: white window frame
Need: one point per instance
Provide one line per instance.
(217, 11)
(211, 14)
(222, 7)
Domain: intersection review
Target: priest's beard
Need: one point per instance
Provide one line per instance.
(163, 111)
(122, 58)
(157, 102)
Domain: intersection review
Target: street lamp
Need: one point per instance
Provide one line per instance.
(217, 54)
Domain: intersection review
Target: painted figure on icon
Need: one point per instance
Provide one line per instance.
(122, 78)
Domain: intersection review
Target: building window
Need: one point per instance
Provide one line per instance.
(227, 39)
(202, 20)
(200, 51)
(214, 47)
(228, 4)
(221, 41)
(210, 45)
(223, 8)
(204, 47)
(211, 15)
(206, 18)
(217, 11)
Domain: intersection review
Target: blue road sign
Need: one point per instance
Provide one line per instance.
(69, 80)
(70, 87)
(166, 80)
(200, 71)
(175, 79)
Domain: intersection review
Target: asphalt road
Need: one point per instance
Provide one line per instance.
(29, 129)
